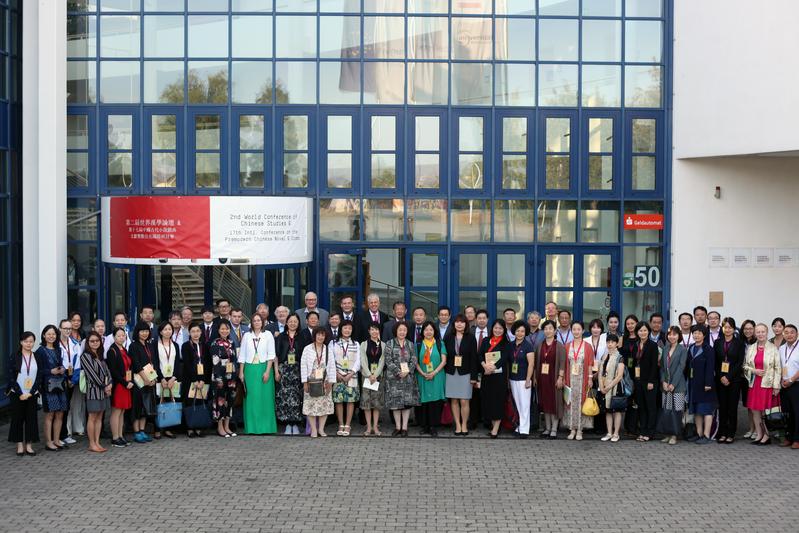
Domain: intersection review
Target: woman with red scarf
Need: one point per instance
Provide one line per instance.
(494, 383)
(549, 375)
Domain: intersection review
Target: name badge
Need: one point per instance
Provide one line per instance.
(638, 372)
(575, 369)
(200, 369)
(629, 361)
(127, 375)
(404, 368)
(292, 358)
(319, 373)
(345, 364)
(692, 373)
(545, 369)
(429, 367)
(594, 367)
(168, 370)
(228, 367)
(458, 361)
(28, 384)
(725, 367)
(514, 368)
(785, 371)
(238, 348)
(373, 368)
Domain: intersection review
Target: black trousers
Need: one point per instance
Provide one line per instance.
(789, 399)
(475, 410)
(728, 408)
(647, 408)
(430, 414)
(64, 432)
(24, 426)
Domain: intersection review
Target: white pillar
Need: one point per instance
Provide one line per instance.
(44, 188)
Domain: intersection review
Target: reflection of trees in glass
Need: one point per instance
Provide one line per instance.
(649, 94)
(514, 172)
(557, 172)
(202, 90)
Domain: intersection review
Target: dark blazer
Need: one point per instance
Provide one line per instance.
(189, 359)
(647, 360)
(177, 367)
(282, 346)
(333, 336)
(447, 331)
(234, 339)
(412, 333)
(116, 366)
(674, 373)
(703, 364)
(365, 320)
(138, 352)
(503, 362)
(388, 328)
(468, 351)
(735, 356)
(209, 338)
(15, 367)
(274, 328)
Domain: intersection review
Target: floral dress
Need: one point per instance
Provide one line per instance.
(223, 378)
(52, 401)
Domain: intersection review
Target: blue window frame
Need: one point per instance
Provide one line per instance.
(118, 140)
(252, 161)
(164, 150)
(426, 157)
(339, 151)
(81, 145)
(470, 152)
(384, 150)
(208, 149)
(425, 278)
(514, 142)
(644, 154)
(600, 164)
(557, 149)
(296, 145)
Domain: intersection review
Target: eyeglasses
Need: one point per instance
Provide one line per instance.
(95, 340)
(66, 329)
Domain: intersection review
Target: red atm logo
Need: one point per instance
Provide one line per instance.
(649, 221)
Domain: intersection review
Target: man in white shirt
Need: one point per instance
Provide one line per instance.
(147, 314)
(789, 395)
(176, 322)
(372, 315)
(120, 321)
(262, 310)
(311, 302)
(186, 318)
(714, 327)
(564, 331)
(509, 316)
(686, 321)
(481, 326)
(277, 327)
(333, 326)
(70, 358)
(444, 324)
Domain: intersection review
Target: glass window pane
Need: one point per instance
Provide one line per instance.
(251, 170)
(77, 169)
(643, 208)
(471, 83)
(427, 133)
(475, 7)
(600, 172)
(163, 82)
(384, 82)
(384, 37)
(340, 83)
(295, 132)
(641, 303)
(252, 82)
(643, 41)
(383, 219)
(644, 135)
(251, 5)
(510, 270)
(81, 82)
(510, 299)
(427, 171)
(558, 173)
(600, 135)
(515, 7)
(208, 36)
(295, 6)
(558, 134)
(642, 86)
(252, 36)
(120, 169)
(384, 171)
(339, 132)
(514, 134)
(339, 219)
(339, 171)
(424, 269)
(477, 299)
(599, 221)
(647, 256)
(515, 84)
(428, 37)
(295, 82)
(601, 86)
(207, 169)
(164, 132)
(119, 36)
(597, 271)
(601, 8)
(643, 8)
(558, 40)
(470, 134)
(383, 6)
(339, 6)
(557, 221)
(343, 270)
(340, 37)
(119, 82)
(207, 5)
(428, 6)
(514, 221)
(472, 270)
(208, 82)
(251, 132)
(472, 38)
(514, 172)
(428, 83)
(470, 171)
(601, 40)
(563, 299)
(163, 36)
(164, 170)
(643, 173)
(82, 5)
(120, 132)
(596, 305)
(559, 270)
(558, 7)
(77, 132)
(470, 220)
(557, 85)
(295, 170)
(427, 220)
(163, 5)
(515, 39)
(207, 134)
(384, 132)
(81, 36)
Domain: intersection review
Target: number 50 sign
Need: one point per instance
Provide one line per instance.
(642, 276)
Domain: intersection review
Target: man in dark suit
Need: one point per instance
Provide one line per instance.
(444, 323)
(333, 326)
(415, 332)
(372, 315)
(277, 327)
(348, 313)
(399, 309)
(209, 325)
(306, 333)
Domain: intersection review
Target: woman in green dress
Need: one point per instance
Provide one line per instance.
(430, 376)
(256, 358)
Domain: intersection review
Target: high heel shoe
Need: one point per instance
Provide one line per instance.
(764, 442)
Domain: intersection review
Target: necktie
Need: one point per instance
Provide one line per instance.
(374, 317)
(418, 333)
(480, 339)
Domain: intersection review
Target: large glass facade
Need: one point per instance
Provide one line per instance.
(424, 127)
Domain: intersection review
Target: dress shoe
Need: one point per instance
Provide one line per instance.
(795, 446)
(785, 443)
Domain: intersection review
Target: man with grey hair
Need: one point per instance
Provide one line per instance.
(534, 323)
(262, 310)
(277, 327)
(312, 304)
(372, 315)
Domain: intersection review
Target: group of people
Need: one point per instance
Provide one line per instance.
(544, 372)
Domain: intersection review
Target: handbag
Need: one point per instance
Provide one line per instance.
(55, 384)
(82, 385)
(197, 415)
(511, 419)
(618, 403)
(316, 388)
(590, 407)
(169, 413)
(446, 416)
(776, 420)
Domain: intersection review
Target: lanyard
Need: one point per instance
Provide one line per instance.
(458, 345)
(577, 351)
(65, 347)
(256, 341)
(789, 354)
(168, 352)
(346, 348)
(402, 351)
(516, 351)
(28, 362)
(198, 352)
(639, 351)
(687, 343)
(727, 345)
(319, 354)
(563, 337)
(149, 355)
(595, 346)
(125, 358)
(712, 340)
